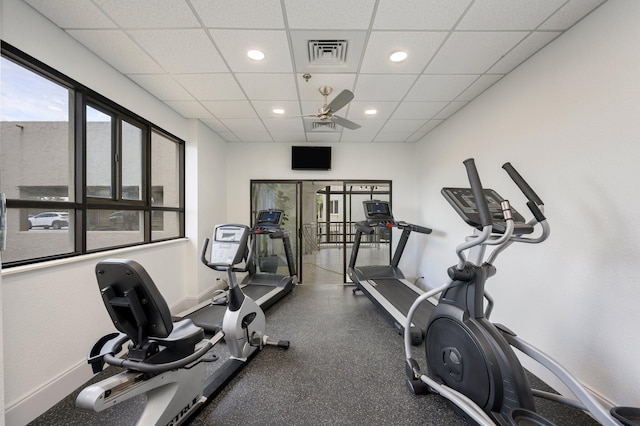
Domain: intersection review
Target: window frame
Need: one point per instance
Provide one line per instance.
(84, 97)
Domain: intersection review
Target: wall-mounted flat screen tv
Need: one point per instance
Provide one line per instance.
(311, 158)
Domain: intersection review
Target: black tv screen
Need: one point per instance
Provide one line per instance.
(311, 157)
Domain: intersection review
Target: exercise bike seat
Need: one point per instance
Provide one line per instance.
(138, 310)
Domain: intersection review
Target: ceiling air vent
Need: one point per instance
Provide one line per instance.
(323, 126)
(327, 52)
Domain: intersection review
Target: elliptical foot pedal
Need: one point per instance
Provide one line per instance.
(522, 417)
(628, 416)
(417, 387)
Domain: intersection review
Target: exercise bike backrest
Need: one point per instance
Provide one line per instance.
(133, 301)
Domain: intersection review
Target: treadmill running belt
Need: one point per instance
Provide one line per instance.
(402, 297)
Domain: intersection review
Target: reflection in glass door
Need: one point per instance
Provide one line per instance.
(281, 196)
(375, 249)
(320, 218)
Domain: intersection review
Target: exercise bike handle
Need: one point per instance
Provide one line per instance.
(522, 184)
(478, 192)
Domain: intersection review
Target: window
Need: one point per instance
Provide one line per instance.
(80, 173)
(334, 207)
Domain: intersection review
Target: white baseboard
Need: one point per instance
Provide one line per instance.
(33, 405)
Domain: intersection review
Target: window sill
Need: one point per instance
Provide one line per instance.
(74, 259)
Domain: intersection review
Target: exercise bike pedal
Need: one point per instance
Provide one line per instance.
(259, 341)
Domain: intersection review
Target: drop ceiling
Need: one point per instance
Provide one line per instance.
(192, 55)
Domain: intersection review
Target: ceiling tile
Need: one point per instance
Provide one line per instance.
(265, 109)
(162, 86)
(73, 13)
(401, 126)
(310, 90)
(309, 107)
(369, 126)
(420, 47)
(473, 52)
(284, 125)
(289, 137)
(117, 49)
(234, 45)
(433, 88)
(214, 124)
(189, 109)
(323, 137)
(479, 86)
(418, 110)
(269, 86)
(249, 130)
(240, 13)
(357, 136)
(138, 14)
(230, 109)
(430, 125)
(329, 14)
(229, 137)
(181, 51)
(451, 109)
(500, 15)
(211, 87)
(392, 137)
(375, 87)
(419, 14)
(357, 110)
(571, 12)
(528, 47)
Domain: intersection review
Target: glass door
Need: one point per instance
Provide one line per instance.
(280, 195)
(375, 249)
(320, 217)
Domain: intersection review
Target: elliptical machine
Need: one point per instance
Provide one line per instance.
(470, 360)
(165, 360)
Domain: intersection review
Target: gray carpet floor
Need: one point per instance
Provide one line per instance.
(345, 366)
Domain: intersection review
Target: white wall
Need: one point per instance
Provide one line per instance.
(568, 121)
(349, 161)
(205, 198)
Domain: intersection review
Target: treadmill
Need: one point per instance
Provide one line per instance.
(385, 285)
(262, 283)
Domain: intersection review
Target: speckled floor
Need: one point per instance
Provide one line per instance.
(345, 367)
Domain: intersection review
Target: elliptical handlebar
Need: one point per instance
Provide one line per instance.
(522, 184)
(478, 194)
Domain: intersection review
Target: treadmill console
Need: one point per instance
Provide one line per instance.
(229, 244)
(268, 221)
(377, 211)
(463, 202)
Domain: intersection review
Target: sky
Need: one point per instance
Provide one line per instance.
(26, 96)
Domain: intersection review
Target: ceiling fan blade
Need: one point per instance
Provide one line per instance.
(345, 123)
(340, 101)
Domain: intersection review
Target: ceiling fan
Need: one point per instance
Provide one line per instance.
(326, 112)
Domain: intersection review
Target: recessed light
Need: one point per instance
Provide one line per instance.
(398, 56)
(256, 55)
(371, 112)
(278, 111)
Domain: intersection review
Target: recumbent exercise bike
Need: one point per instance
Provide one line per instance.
(166, 360)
